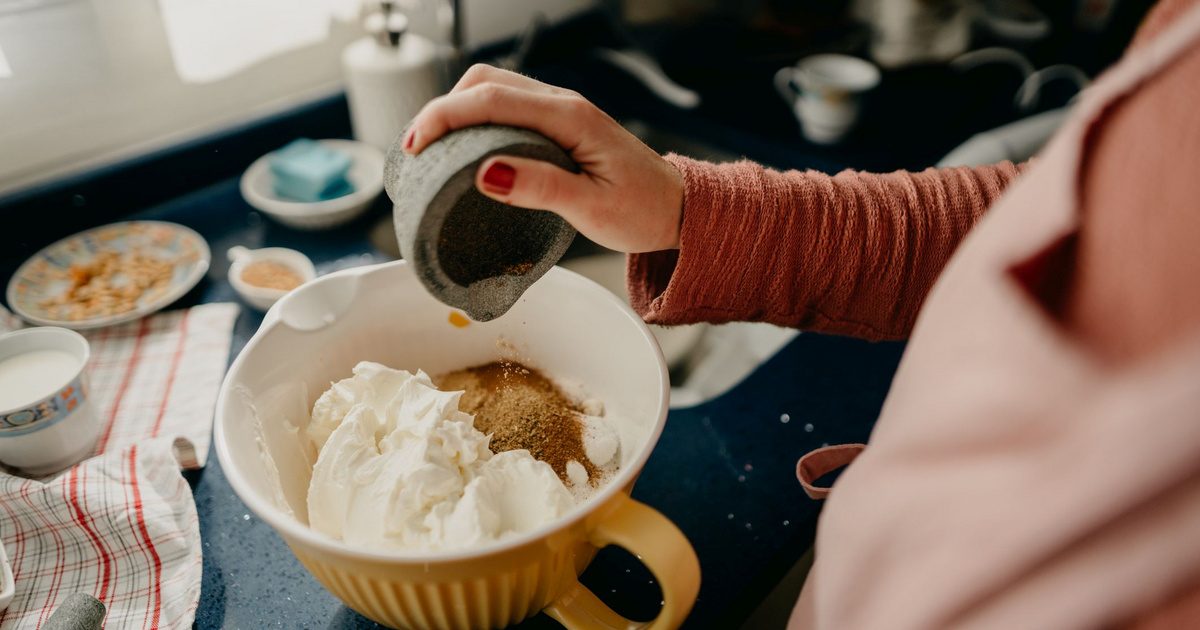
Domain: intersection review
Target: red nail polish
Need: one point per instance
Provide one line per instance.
(499, 178)
(408, 140)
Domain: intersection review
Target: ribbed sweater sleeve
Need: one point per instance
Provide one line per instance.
(853, 253)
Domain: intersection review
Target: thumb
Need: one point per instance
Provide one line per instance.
(532, 184)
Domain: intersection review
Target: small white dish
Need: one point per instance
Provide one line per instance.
(7, 587)
(366, 174)
(262, 298)
(56, 426)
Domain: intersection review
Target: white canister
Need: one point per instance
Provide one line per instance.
(389, 76)
(47, 420)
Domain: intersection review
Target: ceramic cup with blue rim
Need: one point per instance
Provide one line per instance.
(47, 421)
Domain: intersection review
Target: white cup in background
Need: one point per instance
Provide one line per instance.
(825, 93)
(47, 421)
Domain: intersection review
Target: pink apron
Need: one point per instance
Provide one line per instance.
(1012, 480)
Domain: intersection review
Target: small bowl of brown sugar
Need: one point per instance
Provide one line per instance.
(262, 276)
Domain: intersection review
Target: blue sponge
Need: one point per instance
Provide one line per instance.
(306, 170)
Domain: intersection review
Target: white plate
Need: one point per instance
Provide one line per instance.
(39, 278)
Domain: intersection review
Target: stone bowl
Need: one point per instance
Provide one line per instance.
(469, 251)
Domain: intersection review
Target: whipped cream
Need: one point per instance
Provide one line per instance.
(399, 466)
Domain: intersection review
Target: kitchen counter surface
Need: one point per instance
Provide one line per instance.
(723, 471)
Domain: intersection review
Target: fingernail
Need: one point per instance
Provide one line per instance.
(499, 178)
(409, 139)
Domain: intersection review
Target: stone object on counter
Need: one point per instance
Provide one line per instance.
(470, 251)
(79, 611)
(306, 170)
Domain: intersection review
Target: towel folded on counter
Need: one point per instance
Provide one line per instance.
(122, 525)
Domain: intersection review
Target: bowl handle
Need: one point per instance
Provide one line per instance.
(659, 544)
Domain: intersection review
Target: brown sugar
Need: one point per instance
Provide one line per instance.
(522, 409)
(271, 275)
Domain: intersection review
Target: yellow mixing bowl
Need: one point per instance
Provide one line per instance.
(567, 326)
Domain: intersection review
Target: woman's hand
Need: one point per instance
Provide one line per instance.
(626, 197)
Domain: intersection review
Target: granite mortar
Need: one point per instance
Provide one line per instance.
(470, 251)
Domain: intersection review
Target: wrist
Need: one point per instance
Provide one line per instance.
(673, 205)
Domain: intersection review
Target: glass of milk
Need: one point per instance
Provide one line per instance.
(47, 421)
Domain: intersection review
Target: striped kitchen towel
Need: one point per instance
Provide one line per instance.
(122, 525)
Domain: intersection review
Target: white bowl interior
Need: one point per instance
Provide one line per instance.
(566, 325)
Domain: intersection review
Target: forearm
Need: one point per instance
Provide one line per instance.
(854, 253)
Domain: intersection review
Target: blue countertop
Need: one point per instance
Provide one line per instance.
(723, 471)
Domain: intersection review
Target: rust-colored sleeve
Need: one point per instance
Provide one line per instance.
(853, 253)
